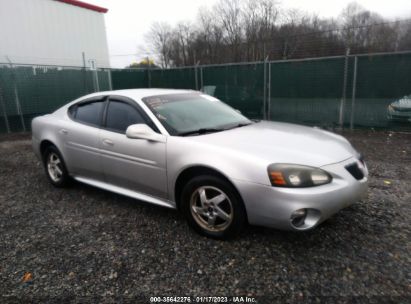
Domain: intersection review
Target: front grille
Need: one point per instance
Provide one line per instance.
(401, 109)
(355, 171)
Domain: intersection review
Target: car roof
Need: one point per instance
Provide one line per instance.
(137, 94)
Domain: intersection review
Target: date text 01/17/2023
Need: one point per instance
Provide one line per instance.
(203, 299)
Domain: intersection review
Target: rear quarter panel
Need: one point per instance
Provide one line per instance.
(46, 128)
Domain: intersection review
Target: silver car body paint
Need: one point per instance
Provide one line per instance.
(149, 170)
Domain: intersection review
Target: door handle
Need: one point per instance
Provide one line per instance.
(63, 131)
(108, 142)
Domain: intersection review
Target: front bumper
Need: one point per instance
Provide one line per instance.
(272, 206)
(399, 116)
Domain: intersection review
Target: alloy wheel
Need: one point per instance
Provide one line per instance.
(211, 208)
(54, 167)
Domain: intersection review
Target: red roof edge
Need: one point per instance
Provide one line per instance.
(86, 5)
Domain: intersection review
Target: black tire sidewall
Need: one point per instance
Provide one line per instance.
(64, 181)
(239, 219)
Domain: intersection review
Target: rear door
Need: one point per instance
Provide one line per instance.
(82, 138)
(134, 164)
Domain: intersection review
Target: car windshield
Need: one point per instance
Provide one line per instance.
(194, 113)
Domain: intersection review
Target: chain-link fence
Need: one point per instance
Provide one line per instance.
(348, 91)
(241, 86)
(354, 91)
(29, 91)
(129, 78)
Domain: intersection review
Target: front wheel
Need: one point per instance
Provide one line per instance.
(213, 207)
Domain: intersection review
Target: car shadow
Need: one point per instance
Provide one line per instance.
(123, 201)
(340, 228)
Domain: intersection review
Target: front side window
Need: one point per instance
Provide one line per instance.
(89, 113)
(190, 113)
(121, 115)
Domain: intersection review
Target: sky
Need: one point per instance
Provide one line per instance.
(127, 21)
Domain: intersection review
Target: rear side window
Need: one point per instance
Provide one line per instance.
(89, 113)
(121, 115)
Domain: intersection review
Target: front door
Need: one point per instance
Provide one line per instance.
(134, 164)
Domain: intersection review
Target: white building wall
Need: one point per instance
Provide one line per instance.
(51, 32)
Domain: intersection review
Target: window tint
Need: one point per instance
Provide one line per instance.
(121, 115)
(90, 113)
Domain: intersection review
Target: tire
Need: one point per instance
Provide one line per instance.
(213, 207)
(55, 167)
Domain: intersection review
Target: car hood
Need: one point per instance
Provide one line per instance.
(276, 142)
(403, 103)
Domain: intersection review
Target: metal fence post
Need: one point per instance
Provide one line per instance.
(16, 95)
(96, 83)
(3, 106)
(269, 92)
(148, 73)
(85, 89)
(18, 106)
(354, 88)
(195, 76)
(344, 90)
(110, 81)
(265, 90)
(201, 79)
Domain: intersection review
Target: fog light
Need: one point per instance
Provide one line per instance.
(298, 217)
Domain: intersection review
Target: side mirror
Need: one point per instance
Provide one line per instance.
(142, 131)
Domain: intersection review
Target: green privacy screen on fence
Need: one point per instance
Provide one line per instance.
(381, 81)
(184, 78)
(28, 91)
(363, 91)
(311, 92)
(129, 79)
(307, 92)
(241, 86)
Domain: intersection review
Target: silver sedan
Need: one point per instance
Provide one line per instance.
(190, 151)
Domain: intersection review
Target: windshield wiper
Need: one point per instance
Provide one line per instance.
(239, 125)
(213, 130)
(201, 131)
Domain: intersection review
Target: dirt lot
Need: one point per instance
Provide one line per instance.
(86, 244)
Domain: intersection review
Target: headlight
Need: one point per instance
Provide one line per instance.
(297, 176)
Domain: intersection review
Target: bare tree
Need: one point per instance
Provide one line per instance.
(228, 12)
(210, 39)
(249, 30)
(159, 38)
(181, 38)
(404, 36)
(259, 19)
(292, 31)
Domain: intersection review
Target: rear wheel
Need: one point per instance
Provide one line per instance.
(213, 207)
(55, 168)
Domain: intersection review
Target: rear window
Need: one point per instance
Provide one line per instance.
(90, 113)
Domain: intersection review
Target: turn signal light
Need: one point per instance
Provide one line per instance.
(277, 178)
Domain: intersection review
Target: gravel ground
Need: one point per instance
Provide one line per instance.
(87, 245)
